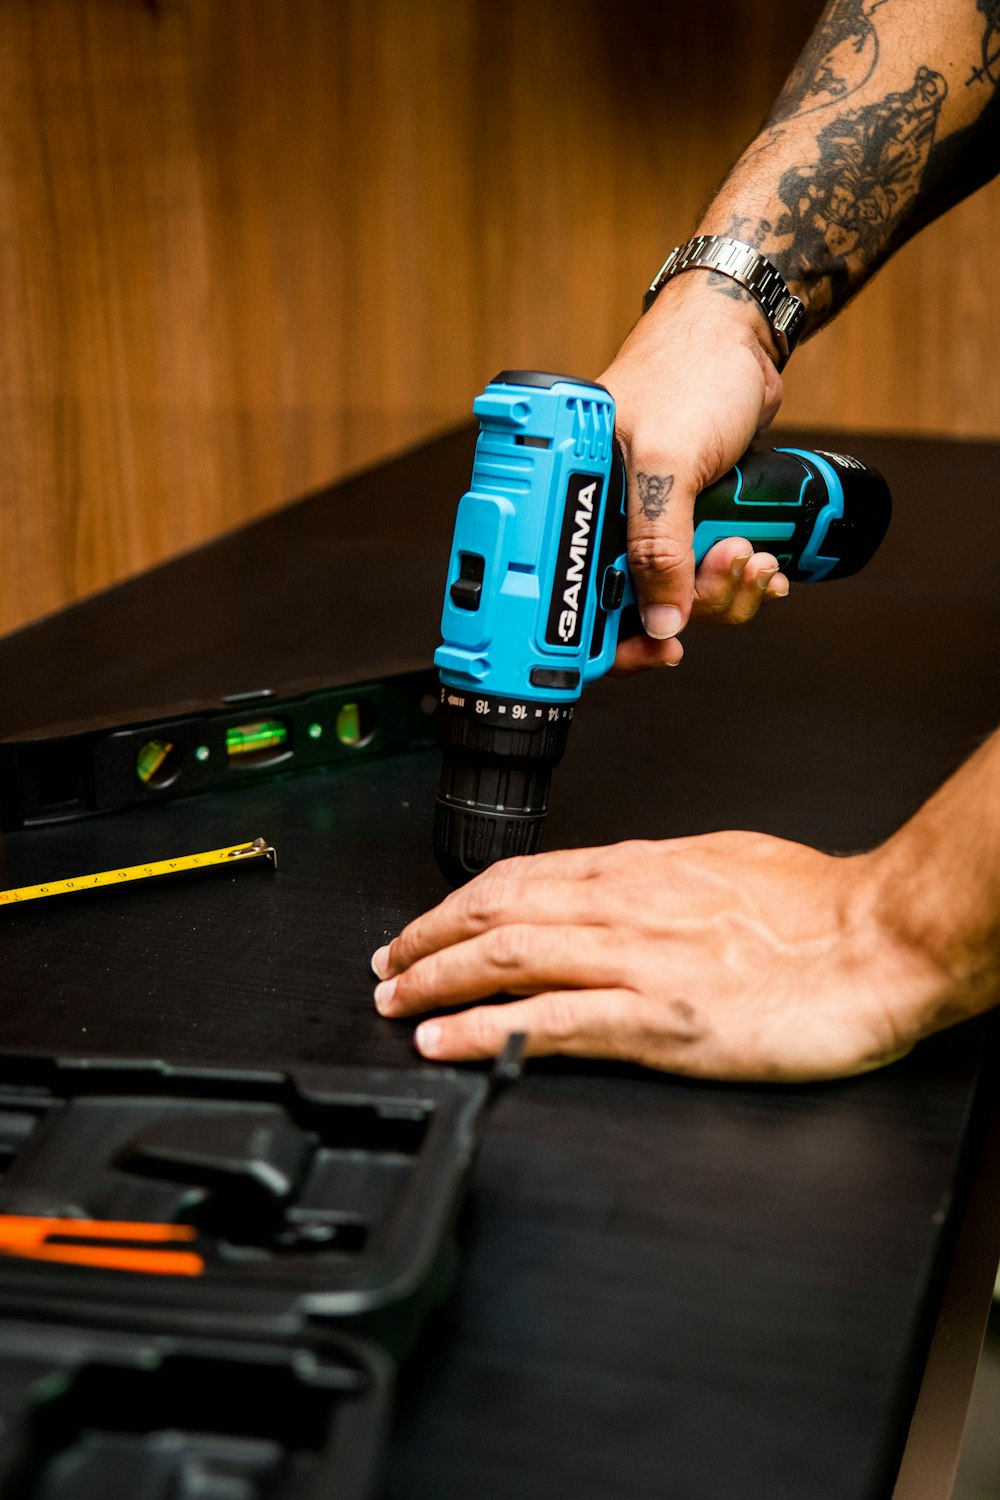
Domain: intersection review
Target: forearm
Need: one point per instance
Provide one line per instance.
(888, 118)
(938, 884)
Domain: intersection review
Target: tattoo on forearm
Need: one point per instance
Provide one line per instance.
(843, 209)
(839, 58)
(726, 285)
(864, 177)
(846, 210)
(988, 68)
(653, 491)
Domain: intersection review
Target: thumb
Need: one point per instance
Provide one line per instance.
(660, 553)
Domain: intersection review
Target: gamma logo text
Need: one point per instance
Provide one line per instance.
(569, 583)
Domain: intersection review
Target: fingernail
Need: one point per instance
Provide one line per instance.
(662, 621)
(384, 993)
(780, 590)
(763, 579)
(428, 1036)
(380, 961)
(739, 563)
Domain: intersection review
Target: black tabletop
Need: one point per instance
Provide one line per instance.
(667, 1288)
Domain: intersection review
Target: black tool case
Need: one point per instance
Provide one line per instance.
(173, 1236)
(87, 1414)
(306, 1198)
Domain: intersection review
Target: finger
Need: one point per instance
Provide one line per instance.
(428, 932)
(622, 1025)
(640, 652)
(576, 1023)
(516, 959)
(719, 577)
(762, 579)
(494, 900)
(449, 921)
(760, 573)
(558, 864)
(660, 556)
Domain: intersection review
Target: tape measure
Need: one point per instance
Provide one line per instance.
(236, 854)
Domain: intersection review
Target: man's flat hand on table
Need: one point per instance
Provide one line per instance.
(730, 955)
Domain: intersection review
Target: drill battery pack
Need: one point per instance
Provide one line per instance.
(207, 1274)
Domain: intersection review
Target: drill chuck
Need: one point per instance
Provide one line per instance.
(499, 753)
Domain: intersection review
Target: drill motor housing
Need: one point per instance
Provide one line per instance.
(538, 579)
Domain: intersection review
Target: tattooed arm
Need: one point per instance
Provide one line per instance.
(887, 120)
(889, 117)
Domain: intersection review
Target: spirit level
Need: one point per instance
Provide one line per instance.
(71, 771)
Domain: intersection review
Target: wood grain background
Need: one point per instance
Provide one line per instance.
(249, 245)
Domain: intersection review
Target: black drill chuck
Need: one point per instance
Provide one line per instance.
(499, 754)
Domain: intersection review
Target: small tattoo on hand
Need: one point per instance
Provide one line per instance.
(653, 492)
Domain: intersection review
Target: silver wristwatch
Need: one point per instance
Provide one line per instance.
(745, 265)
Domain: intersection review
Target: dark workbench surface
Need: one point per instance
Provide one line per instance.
(668, 1289)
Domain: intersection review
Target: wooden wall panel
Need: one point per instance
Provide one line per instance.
(247, 245)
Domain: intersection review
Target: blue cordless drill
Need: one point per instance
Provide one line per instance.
(538, 579)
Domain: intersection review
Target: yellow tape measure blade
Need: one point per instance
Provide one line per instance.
(255, 850)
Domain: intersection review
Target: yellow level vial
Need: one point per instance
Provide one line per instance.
(258, 849)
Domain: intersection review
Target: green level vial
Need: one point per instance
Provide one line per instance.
(245, 740)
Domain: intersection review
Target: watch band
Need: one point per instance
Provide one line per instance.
(784, 312)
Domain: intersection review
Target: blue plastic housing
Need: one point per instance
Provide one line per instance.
(543, 463)
(538, 575)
